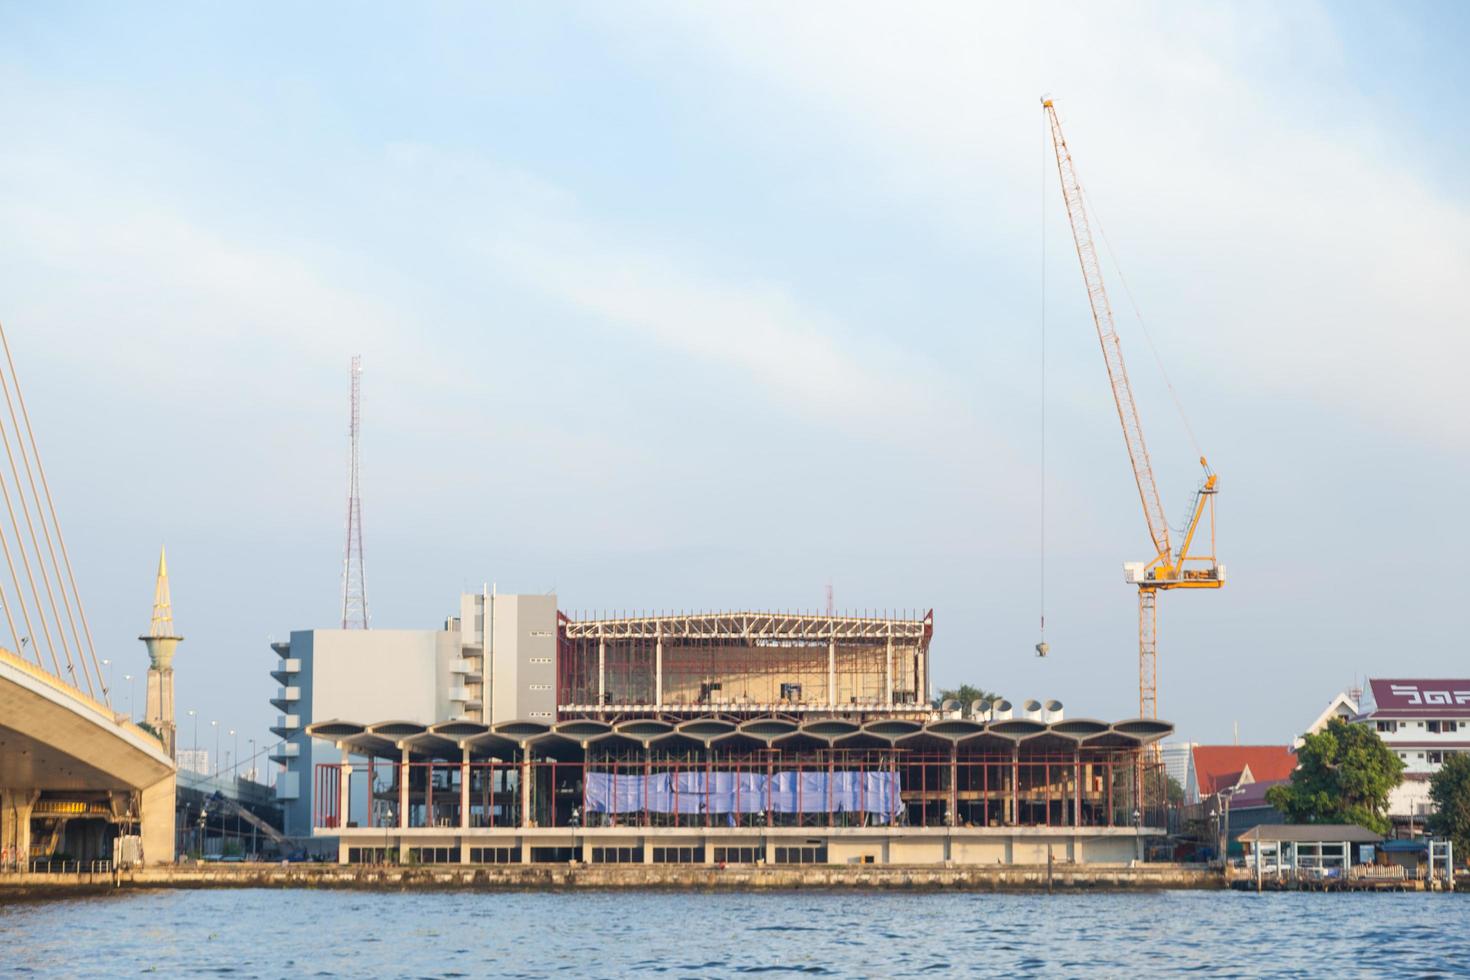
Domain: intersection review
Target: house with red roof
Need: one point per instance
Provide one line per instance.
(1213, 768)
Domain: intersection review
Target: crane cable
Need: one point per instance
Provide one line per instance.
(1041, 647)
(1174, 395)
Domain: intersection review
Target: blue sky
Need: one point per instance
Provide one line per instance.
(700, 306)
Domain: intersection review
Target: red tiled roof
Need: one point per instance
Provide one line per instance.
(1218, 766)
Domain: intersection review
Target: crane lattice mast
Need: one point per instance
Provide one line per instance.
(1167, 570)
(354, 577)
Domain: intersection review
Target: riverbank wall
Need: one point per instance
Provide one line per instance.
(1057, 877)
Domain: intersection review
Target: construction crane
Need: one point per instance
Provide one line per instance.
(1168, 569)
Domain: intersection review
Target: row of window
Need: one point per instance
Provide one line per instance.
(1435, 757)
(804, 854)
(1433, 727)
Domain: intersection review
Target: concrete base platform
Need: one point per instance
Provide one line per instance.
(1060, 877)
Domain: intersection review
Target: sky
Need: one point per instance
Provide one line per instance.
(704, 306)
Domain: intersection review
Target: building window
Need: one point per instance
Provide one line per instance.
(617, 855)
(495, 855)
(739, 855)
(802, 855)
(1388, 726)
(553, 855)
(433, 855)
(678, 855)
(1435, 758)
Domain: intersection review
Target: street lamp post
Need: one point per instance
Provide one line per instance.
(131, 686)
(215, 726)
(108, 664)
(251, 772)
(235, 767)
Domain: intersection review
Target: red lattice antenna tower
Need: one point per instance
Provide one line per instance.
(354, 578)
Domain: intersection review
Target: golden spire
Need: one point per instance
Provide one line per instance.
(163, 615)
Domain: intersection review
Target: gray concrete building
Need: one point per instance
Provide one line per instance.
(415, 676)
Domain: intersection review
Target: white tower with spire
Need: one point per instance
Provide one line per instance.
(161, 641)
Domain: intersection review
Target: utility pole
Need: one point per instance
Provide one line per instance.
(354, 579)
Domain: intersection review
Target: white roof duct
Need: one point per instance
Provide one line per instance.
(1031, 709)
(1002, 710)
(1051, 711)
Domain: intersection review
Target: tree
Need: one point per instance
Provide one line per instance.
(1450, 790)
(965, 694)
(1344, 775)
(150, 730)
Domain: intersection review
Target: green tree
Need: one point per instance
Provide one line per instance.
(1450, 790)
(1344, 775)
(150, 730)
(965, 694)
(1175, 792)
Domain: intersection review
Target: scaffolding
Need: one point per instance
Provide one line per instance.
(742, 664)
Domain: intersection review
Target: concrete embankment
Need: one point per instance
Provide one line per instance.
(1060, 877)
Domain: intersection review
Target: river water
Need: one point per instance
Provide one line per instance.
(269, 933)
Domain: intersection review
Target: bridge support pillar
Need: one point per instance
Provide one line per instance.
(157, 803)
(15, 825)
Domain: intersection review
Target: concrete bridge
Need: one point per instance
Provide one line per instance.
(73, 774)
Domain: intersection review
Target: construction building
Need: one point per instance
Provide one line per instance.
(520, 733)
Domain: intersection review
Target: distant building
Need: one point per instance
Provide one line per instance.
(194, 760)
(1217, 767)
(1344, 706)
(1176, 760)
(1424, 722)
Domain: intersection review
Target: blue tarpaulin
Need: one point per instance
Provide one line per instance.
(695, 792)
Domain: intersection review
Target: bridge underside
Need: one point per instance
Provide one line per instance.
(72, 776)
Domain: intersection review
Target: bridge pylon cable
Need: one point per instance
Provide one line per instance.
(27, 448)
(27, 503)
(55, 521)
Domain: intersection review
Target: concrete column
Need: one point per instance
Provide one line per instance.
(832, 671)
(15, 824)
(403, 772)
(464, 791)
(888, 671)
(1015, 785)
(526, 786)
(1077, 785)
(601, 672)
(658, 666)
(344, 794)
(157, 805)
(954, 788)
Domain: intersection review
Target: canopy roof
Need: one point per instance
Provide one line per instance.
(449, 740)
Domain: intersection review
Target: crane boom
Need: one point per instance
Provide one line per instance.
(1107, 336)
(1167, 570)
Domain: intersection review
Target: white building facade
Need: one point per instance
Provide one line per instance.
(1424, 722)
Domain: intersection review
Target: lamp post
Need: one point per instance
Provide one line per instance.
(215, 726)
(251, 773)
(235, 765)
(195, 715)
(131, 686)
(1222, 816)
(108, 664)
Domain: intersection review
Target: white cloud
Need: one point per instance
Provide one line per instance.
(1270, 242)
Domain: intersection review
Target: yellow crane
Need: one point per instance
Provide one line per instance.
(1168, 569)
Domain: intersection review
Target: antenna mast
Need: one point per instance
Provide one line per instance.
(354, 579)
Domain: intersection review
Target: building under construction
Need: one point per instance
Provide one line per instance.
(706, 738)
(742, 664)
